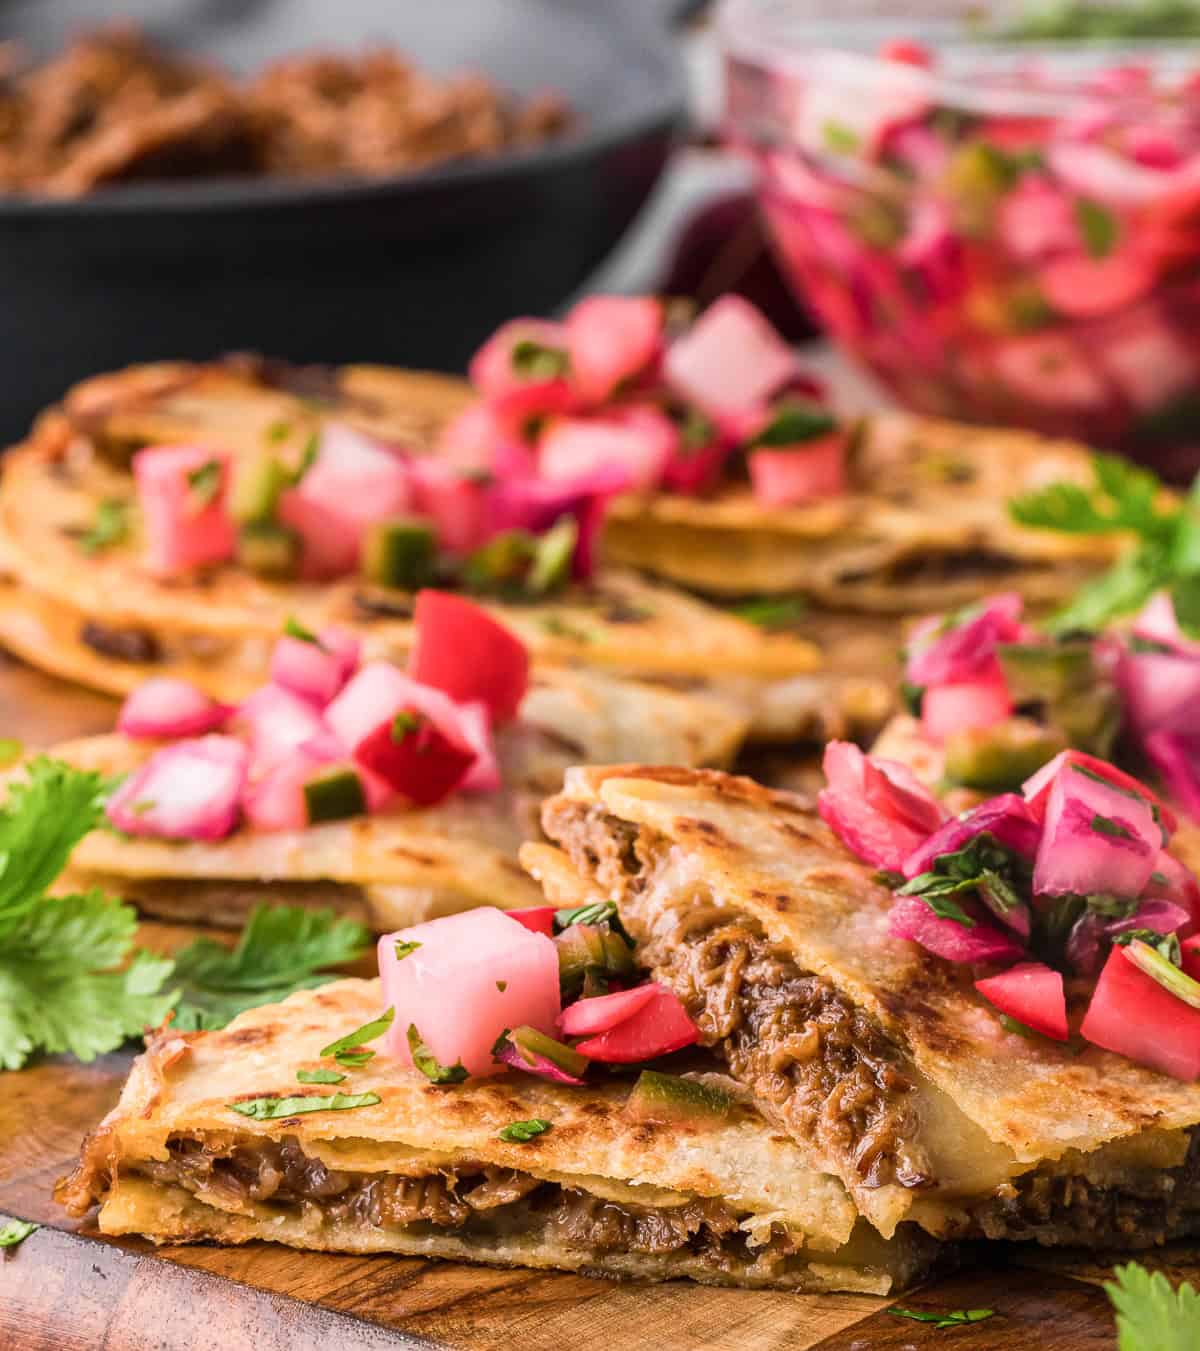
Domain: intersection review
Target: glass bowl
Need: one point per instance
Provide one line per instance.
(1001, 232)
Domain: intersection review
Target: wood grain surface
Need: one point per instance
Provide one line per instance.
(67, 1289)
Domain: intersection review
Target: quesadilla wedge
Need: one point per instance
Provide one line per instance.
(74, 543)
(397, 1164)
(738, 480)
(883, 1061)
(400, 864)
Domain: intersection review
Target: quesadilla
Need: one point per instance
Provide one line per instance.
(923, 525)
(401, 863)
(86, 604)
(395, 1163)
(881, 1060)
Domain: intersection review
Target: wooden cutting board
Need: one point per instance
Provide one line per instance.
(68, 1289)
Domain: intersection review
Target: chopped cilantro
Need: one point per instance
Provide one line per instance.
(1097, 225)
(957, 1318)
(276, 432)
(349, 1050)
(204, 483)
(502, 985)
(111, 526)
(272, 1109)
(16, 1231)
(521, 1132)
(403, 724)
(405, 949)
(294, 629)
(1105, 825)
(839, 138)
(427, 1063)
(772, 612)
(598, 912)
(320, 1077)
(537, 361)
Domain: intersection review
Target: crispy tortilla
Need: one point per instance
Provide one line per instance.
(404, 866)
(424, 1171)
(928, 529)
(882, 1060)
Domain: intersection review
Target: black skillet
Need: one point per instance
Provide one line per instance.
(414, 270)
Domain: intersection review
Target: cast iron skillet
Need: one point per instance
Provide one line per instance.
(415, 270)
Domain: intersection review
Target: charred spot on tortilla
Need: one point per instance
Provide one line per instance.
(132, 644)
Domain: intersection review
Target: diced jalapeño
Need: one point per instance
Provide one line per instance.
(667, 1097)
(1000, 758)
(531, 1043)
(400, 552)
(257, 484)
(334, 795)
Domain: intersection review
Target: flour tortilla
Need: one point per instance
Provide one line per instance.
(988, 1105)
(182, 1086)
(403, 866)
(928, 530)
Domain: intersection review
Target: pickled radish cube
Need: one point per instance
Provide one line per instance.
(1032, 993)
(472, 977)
(328, 546)
(884, 824)
(356, 480)
(523, 370)
(947, 709)
(313, 670)
(640, 442)
(187, 791)
(805, 473)
(611, 339)
(1085, 288)
(275, 722)
(461, 649)
(1133, 1015)
(911, 918)
(1036, 788)
(166, 707)
(415, 758)
(470, 440)
(1146, 360)
(1037, 220)
(1175, 758)
(1160, 690)
(539, 918)
(587, 1017)
(475, 727)
(181, 492)
(659, 1027)
(455, 501)
(1051, 371)
(1096, 838)
(731, 359)
(276, 801)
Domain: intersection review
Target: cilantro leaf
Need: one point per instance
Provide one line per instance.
(44, 817)
(271, 1109)
(110, 526)
(429, 1065)
(521, 1132)
(63, 986)
(772, 612)
(320, 1077)
(956, 1318)
(348, 1050)
(1151, 1316)
(282, 949)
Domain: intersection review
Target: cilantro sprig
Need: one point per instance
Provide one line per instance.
(1151, 1316)
(70, 976)
(1126, 499)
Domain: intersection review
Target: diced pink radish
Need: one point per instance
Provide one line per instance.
(167, 707)
(1007, 818)
(1096, 838)
(873, 837)
(892, 788)
(659, 1027)
(695, 471)
(966, 652)
(276, 722)
(866, 103)
(1148, 363)
(1095, 171)
(1037, 220)
(1032, 993)
(1087, 288)
(1049, 370)
(187, 791)
(912, 919)
(637, 441)
(516, 394)
(539, 918)
(475, 725)
(379, 691)
(329, 548)
(461, 649)
(356, 481)
(1171, 881)
(415, 758)
(1133, 1015)
(312, 670)
(469, 440)
(1156, 147)
(181, 492)
(472, 977)
(1160, 690)
(455, 501)
(947, 709)
(921, 148)
(514, 460)
(533, 1062)
(275, 801)
(587, 1017)
(729, 360)
(1036, 788)
(1160, 916)
(611, 339)
(803, 473)
(933, 248)
(1177, 759)
(885, 827)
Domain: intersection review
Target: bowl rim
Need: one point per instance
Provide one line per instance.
(759, 32)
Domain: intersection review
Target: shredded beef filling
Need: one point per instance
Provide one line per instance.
(828, 1071)
(1147, 1209)
(475, 1201)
